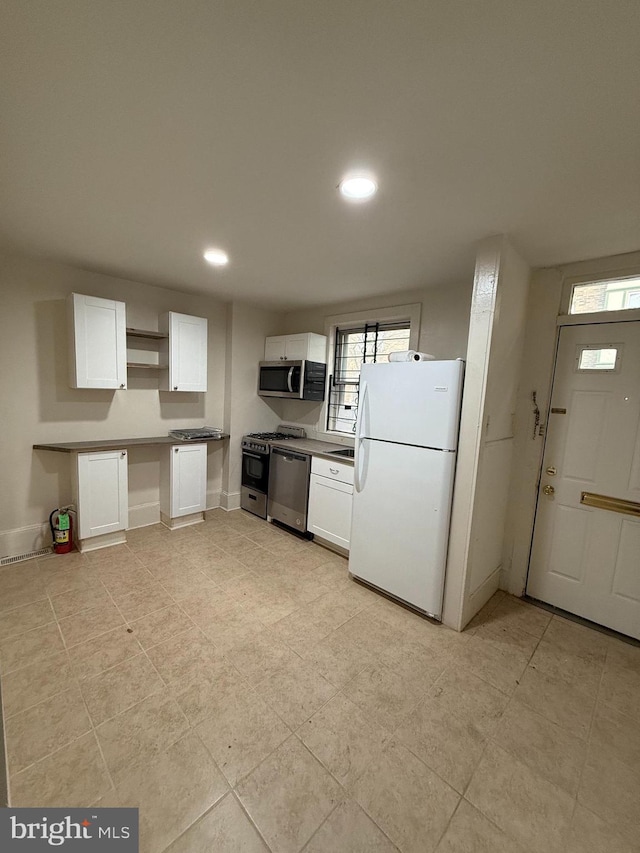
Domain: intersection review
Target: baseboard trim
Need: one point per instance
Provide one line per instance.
(144, 515)
(106, 540)
(482, 594)
(34, 537)
(230, 500)
(182, 521)
(23, 540)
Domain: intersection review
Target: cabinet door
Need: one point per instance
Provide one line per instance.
(274, 348)
(296, 347)
(330, 510)
(98, 344)
(188, 479)
(187, 353)
(103, 505)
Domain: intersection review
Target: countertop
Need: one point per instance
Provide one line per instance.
(315, 448)
(120, 443)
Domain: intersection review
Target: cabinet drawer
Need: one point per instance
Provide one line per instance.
(334, 470)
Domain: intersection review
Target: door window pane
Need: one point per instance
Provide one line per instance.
(598, 357)
(614, 294)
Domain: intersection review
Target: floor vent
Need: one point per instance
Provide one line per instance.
(5, 561)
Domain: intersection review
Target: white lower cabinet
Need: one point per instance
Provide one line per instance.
(102, 499)
(183, 484)
(330, 501)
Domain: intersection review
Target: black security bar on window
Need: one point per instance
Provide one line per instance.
(355, 346)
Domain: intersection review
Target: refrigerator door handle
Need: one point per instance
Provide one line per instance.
(357, 482)
(356, 467)
(364, 393)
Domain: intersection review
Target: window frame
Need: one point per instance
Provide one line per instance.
(396, 313)
(565, 318)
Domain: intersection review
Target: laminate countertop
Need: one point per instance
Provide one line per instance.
(121, 443)
(314, 447)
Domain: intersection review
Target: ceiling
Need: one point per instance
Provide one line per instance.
(137, 133)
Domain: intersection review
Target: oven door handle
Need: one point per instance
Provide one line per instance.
(289, 378)
(252, 455)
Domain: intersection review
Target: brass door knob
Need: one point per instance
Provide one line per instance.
(549, 490)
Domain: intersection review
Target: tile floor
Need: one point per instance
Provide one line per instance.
(233, 683)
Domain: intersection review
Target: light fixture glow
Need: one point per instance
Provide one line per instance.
(216, 257)
(358, 187)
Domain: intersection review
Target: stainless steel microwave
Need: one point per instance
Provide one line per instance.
(299, 380)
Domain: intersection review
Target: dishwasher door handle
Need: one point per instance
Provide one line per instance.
(288, 456)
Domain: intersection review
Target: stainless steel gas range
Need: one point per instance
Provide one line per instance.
(256, 456)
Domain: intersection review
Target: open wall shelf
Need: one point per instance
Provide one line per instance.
(143, 333)
(143, 341)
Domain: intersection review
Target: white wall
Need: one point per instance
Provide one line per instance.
(38, 406)
(444, 325)
(245, 411)
(548, 297)
(487, 430)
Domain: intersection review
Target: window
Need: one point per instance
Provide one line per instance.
(355, 346)
(616, 294)
(598, 358)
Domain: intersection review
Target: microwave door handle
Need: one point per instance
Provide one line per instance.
(289, 378)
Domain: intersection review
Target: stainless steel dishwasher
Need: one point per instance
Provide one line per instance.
(289, 488)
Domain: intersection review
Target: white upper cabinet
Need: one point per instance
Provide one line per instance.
(306, 345)
(187, 353)
(97, 342)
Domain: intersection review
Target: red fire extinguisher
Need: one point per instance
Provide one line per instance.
(61, 524)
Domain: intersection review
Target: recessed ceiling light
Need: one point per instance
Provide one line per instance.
(216, 257)
(358, 187)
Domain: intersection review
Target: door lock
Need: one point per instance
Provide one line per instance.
(552, 470)
(548, 490)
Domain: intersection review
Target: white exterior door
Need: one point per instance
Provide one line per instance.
(585, 558)
(103, 503)
(188, 479)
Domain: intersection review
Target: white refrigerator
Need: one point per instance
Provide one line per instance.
(405, 458)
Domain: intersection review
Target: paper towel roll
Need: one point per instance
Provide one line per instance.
(411, 355)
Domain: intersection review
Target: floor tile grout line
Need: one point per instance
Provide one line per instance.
(237, 799)
(69, 743)
(590, 733)
(248, 773)
(338, 689)
(451, 817)
(201, 817)
(4, 750)
(292, 734)
(104, 761)
(500, 829)
(93, 726)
